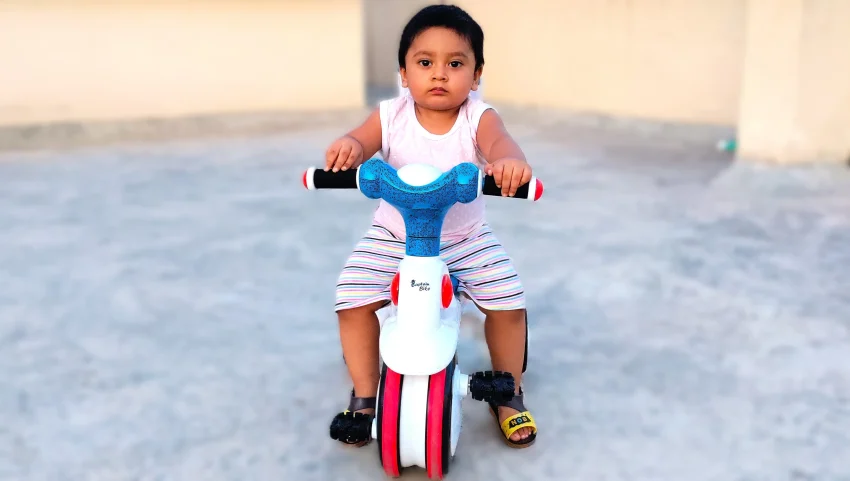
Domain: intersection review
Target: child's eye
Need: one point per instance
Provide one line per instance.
(455, 64)
(425, 63)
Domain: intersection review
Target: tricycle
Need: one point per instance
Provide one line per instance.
(417, 419)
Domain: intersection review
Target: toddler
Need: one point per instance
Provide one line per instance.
(441, 58)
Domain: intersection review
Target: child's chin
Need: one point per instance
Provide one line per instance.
(432, 102)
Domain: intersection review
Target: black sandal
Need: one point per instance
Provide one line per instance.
(511, 424)
(351, 427)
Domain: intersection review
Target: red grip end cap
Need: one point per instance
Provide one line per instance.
(538, 190)
(304, 179)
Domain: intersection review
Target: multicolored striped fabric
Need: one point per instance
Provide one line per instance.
(479, 262)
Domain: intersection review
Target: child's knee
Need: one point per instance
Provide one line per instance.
(502, 316)
(359, 313)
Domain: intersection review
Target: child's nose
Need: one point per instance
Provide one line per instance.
(440, 73)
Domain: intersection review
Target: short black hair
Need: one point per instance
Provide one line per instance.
(448, 16)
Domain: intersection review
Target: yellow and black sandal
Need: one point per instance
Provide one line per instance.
(512, 424)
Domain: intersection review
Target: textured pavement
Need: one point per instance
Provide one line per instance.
(166, 314)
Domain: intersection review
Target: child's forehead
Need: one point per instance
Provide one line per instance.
(438, 39)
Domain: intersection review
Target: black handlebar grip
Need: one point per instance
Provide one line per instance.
(533, 187)
(319, 179)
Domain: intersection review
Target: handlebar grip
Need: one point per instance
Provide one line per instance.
(532, 191)
(319, 179)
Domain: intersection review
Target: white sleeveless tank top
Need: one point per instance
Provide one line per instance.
(404, 141)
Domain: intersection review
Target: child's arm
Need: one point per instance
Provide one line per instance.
(350, 150)
(507, 161)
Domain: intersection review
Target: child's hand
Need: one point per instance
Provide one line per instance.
(510, 174)
(343, 154)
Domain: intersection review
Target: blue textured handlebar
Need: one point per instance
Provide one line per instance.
(423, 208)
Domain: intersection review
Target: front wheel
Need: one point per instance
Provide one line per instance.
(443, 421)
(388, 413)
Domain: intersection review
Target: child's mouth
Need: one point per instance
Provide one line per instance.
(438, 90)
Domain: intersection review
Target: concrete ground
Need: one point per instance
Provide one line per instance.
(166, 312)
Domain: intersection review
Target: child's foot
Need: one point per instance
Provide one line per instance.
(516, 423)
(522, 433)
(355, 434)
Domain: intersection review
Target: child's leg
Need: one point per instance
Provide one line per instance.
(487, 275)
(363, 287)
(505, 335)
(358, 334)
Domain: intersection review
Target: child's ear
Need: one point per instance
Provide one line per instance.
(477, 78)
(403, 72)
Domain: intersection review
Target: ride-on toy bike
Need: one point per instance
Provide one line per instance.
(417, 418)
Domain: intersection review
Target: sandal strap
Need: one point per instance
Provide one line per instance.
(360, 403)
(515, 403)
(518, 421)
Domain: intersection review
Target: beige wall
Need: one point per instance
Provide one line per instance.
(88, 60)
(779, 69)
(679, 61)
(385, 20)
(796, 89)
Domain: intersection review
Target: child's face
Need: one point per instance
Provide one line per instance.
(440, 69)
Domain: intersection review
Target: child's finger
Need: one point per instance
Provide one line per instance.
(340, 160)
(507, 174)
(349, 161)
(516, 180)
(330, 157)
(526, 175)
(496, 172)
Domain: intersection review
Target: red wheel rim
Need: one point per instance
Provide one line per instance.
(434, 425)
(390, 404)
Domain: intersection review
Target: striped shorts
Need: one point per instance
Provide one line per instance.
(485, 272)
